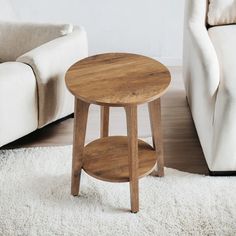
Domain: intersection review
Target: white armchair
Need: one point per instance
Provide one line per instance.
(210, 81)
(33, 61)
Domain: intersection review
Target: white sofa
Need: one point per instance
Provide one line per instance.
(210, 79)
(33, 61)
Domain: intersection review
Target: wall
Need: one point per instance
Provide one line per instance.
(150, 27)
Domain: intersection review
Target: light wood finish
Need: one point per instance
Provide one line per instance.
(156, 128)
(81, 115)
(181, 145)
(118, 79)
(107, 159)
(131, 113)
(104, 126)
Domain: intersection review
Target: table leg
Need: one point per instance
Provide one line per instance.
(131, 113)
(80, 123)
(104, 121)
(155, 119)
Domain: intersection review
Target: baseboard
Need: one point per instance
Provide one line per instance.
(169, 61)
(222, 173)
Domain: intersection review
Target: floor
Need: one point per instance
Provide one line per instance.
(181, 144)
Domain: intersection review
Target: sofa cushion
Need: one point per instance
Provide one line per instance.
(17, 38)
(18, 101)
(222, 12)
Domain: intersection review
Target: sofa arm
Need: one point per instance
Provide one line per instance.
(201, 72)
(56, 56)
(50, 62)
(17, 38)
(199, 53)
(204, 57)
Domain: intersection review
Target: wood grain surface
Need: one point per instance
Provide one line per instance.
(80, 124)
(132, 131)
(118, 79)
(107, 159)
(156, 129)
(104, 121)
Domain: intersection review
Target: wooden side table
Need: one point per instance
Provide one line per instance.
(117, 80)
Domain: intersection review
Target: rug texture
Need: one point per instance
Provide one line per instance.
(35, 200)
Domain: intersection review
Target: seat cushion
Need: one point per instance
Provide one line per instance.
(18, 101)
(222, 12)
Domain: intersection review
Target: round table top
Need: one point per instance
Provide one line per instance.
(118, 79)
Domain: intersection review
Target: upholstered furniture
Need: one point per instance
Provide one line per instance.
(210, 78)
(117, 80)
(221, 12)
(33, 61)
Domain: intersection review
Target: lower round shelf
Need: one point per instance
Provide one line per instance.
(107, 159)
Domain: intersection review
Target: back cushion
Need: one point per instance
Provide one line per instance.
(222, 12)
(6, 11)
(17, 38)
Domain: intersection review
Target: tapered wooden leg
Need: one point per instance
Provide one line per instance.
(104, 121)
(131, 113)
(80, 123)
(155, 119)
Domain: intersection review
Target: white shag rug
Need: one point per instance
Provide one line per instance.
(35, 200)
